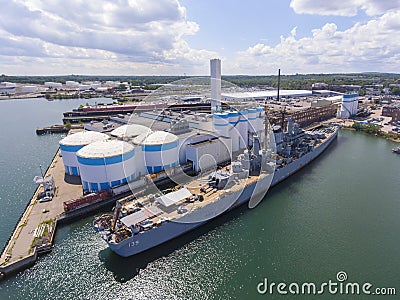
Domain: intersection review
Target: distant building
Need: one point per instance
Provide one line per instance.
(29, 89)
(264, 95)
(345, 88)
(7, 88)
(112, 83)
(8, 84)
(54, 85)
(72, 84)
(84, 87)
(326, 101)
(392, 111)
(320, 86)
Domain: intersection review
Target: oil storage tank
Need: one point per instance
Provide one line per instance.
(233, 129)
(260, 123)
(129, 131)
(160, 151)
(242, 128)
(73, 143)
(252, 120)
(106, 164)
(220, 123)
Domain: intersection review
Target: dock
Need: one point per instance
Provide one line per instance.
(34, 233)
(57, 129)
(36, 228)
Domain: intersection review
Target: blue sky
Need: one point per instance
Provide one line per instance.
(173, 37)
(244, 23)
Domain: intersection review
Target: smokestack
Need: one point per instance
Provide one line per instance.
(215, 70)
(279, 84)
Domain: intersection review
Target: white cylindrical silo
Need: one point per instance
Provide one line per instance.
(140, 163)
(260, 119)
(252, 117)
(160, 151)
(106, 164)
(129, 131)
(220, 123)
(349, 105)
(233, 131)
(260, 123)
(243, 129)
(73, 143)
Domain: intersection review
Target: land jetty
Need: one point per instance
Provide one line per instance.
(34, 232)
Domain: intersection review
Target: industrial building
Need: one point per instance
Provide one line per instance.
(326, 101)
(29, 89)
(7, 88)
(124, 148)
(176, 139)
(54, 85)
(307, 116)
(264, 95)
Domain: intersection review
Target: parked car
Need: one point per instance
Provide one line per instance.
(45, 199)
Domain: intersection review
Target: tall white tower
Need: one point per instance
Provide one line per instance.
(349, 106)
(215, 69)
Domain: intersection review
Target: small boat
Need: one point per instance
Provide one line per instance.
(396, 150)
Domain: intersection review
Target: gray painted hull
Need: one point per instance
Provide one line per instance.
(170, 230)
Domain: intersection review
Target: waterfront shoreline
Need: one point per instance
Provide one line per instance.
(370, 134)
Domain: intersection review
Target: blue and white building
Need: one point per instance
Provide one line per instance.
(221, 123)
(73, 143)
(106, 164)
(349, 106)
(159, 151)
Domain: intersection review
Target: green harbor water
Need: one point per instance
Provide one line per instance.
(341, 213)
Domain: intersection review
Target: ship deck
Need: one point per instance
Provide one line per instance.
(158, 212)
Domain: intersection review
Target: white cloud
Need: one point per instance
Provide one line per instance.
(344, 8)
(138, 31)
(373, 46)
(149, 37)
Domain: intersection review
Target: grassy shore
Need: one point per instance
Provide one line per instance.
(374, 130)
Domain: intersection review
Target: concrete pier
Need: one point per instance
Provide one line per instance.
(35, 230)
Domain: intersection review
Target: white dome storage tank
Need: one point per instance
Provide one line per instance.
(129, 131)
(106, 164)
(160, 151)
(140, 164)
(73, 143)
(220, 123)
